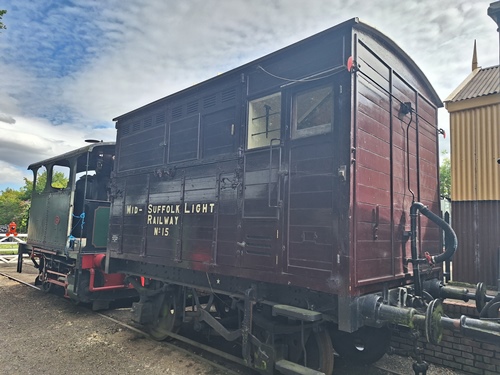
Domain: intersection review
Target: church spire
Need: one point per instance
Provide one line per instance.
(474, 57)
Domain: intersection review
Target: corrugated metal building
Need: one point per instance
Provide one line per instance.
(474, 109)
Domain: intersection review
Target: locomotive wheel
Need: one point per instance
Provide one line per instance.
(319, 352)
(367, 345)
(169, 317)
(83, 292)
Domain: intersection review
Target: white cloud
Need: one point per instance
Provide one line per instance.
(31, 140)
(79, 64)
(7, 119)
(9, 173)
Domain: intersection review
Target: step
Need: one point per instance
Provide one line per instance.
(297, 313)
(289, 368)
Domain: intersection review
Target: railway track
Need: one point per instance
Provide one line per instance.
(10, 277)
(230, 365)
(227, 363)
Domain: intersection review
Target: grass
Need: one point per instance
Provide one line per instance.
(9, 248)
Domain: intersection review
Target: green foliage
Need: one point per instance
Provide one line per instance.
(445, 176)
(12, 206)
(59, 180)
(15, 204)
(2, 12)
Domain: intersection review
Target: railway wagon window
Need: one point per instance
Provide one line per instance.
(313, 112)
(264, 120)
(60, 177)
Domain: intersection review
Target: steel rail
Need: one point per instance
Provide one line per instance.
(190, 342)
(18, 280)
(186, 340)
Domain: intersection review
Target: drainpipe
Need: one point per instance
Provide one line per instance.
(494, 13)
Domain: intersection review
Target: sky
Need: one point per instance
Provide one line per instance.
(67, 67)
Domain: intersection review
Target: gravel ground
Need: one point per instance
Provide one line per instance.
(45, 334)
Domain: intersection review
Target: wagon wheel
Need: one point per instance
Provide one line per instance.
(318, 350)
(169, 317)
(366, 345)
(46, 286)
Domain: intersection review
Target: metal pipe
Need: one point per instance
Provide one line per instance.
(483, 330)
(452, 241)
(498, 266)
(414, 255)
(373, 312)
(92, 288)
(494, 13)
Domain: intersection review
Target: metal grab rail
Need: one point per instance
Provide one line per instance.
(278, 182)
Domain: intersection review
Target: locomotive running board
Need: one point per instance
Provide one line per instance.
(290, 368)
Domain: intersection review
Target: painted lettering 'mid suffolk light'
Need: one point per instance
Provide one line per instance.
(163, 216)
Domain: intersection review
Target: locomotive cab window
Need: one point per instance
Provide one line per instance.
(264, 120)
(40, 179)
(60, 177)
(313, 112)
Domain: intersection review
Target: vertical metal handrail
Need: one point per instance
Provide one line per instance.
(271, 173)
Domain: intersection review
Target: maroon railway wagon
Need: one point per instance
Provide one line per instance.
(287, 204)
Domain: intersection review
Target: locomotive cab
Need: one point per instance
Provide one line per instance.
(68, 223)
(69, 206)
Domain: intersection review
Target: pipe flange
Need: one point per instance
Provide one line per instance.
(433, 326)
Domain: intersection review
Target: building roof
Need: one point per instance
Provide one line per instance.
(481, 82)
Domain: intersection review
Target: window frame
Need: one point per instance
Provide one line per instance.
(315, 130)
(248, 122)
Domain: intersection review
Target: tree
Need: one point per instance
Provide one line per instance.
(2, 12)
(445, 176)
(11, 206)
(15, 204)
(59, 180)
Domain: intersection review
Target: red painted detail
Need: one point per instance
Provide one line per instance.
(57, 220)
(201, 258)
(98, 260)
(350, 63)
(12, 230)
(87, 261)
(57, 282)
(112, 281)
